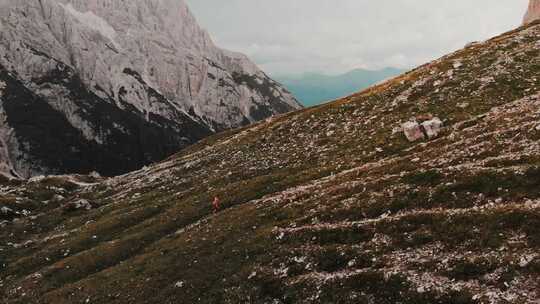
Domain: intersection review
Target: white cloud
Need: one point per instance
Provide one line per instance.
(332, 36)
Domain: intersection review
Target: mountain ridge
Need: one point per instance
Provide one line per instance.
(149, 59)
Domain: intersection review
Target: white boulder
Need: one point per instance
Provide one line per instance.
(413, 131)
(81, 204)
(432, 127)
(428, 129)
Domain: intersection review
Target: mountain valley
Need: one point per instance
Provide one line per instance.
(329, 204)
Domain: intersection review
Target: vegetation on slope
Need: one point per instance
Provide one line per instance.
(326, 205)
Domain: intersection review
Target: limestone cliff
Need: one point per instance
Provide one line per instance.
(121, 83)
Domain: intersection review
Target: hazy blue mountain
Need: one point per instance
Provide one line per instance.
(312, 88)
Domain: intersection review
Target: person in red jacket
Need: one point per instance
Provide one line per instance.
(216, 204)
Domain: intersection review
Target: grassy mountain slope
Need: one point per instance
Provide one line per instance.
(323, 205)
(314, 89)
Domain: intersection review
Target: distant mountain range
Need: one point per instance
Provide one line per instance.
(313, 88)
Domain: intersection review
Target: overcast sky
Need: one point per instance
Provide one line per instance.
(334, 36)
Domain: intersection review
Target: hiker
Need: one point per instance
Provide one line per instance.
(216, 204)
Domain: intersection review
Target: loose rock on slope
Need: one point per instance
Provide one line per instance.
(323, 205)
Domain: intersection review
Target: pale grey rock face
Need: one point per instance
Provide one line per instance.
(533, 13)
(432, 127)
(428, 129)
(147, 57)
(159, 39)
(412, 131)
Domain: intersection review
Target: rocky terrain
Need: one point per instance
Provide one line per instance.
(332, 204)
(113, 85)
(533, 13)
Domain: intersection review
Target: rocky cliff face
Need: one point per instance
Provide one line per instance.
(533, 13)
(112, 85)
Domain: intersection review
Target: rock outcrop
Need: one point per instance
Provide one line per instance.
(428, 129)
(432, 127)
(81, 204)
(533, 13)
(113, 85)
(412, 131)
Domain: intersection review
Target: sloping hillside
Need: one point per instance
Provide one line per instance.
(325, 205)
